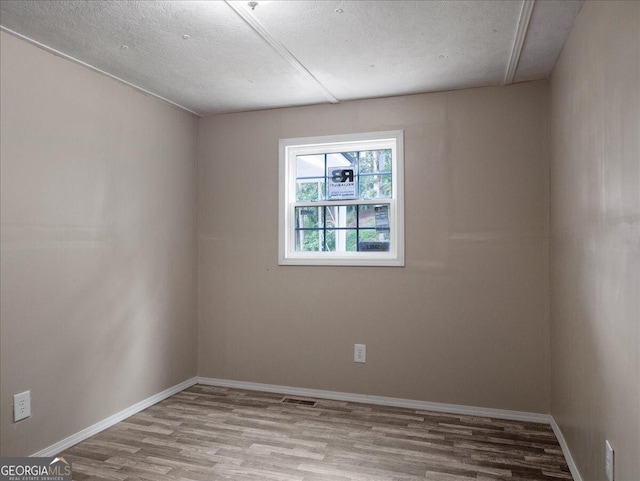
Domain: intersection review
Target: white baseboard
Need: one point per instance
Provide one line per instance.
(565, 450)
(111, 420)
(380, 400)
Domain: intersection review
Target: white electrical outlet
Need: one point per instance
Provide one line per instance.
(21, 406)
(359, 353)
(609, 460)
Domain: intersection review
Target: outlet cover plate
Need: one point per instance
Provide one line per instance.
(21, 406)
(359, 353)
(609, 460)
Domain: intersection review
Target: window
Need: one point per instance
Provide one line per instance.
(341, 200)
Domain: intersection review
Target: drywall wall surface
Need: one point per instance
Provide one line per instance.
(595, 239)
(464, 322)
(98, 246)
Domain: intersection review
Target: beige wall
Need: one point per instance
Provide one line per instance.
(595, 238)
(464, 322)
(98, 208)
(98, 246)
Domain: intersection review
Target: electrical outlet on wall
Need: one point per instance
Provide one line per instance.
(609, 460)
(21, 406)
(359, 353)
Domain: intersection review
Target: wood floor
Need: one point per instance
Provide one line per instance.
(211, 433)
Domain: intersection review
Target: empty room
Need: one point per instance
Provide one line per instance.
(320, 240)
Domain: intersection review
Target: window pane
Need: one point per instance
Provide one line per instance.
(375, 217)
(342, 240)
(367, 215)
(341, 215)
(310, 165)
(372, 161)
(310, 189)
(373, 241)
(375, 186)
(385, 160)
(308, 217)
(330, 241)
(309, 240)
(341, 159)
(342, 172)
(351, 243)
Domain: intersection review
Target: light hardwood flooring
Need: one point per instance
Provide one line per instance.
(211, 433)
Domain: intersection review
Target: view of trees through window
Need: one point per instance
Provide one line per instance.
(333, 226)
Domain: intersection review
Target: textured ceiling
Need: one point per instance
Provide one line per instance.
(215, 56)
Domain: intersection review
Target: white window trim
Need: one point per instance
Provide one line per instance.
(290, 148)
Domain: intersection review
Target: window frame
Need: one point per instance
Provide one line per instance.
(289, 149)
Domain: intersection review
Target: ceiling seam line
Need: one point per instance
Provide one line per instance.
(65, 56)
(518, 41)
(280, 49)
